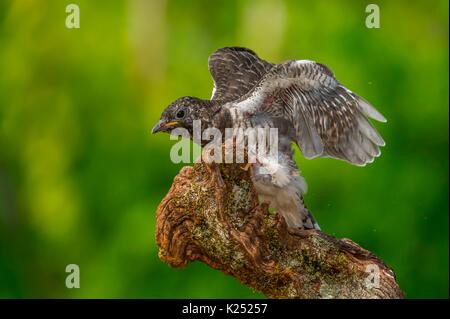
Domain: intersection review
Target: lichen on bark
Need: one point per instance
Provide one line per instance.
(212, 214)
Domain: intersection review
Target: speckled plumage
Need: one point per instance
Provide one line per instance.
(303, 100)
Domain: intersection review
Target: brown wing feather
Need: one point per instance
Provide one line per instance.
(328, 119)
(235, 71)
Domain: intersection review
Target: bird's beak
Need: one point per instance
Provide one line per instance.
(163, 126)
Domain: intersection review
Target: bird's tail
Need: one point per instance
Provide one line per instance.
(298, 216)
(308, 220)
(290, 205)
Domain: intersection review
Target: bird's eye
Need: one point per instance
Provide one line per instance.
(180, 114)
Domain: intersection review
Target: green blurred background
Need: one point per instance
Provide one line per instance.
(81, 175)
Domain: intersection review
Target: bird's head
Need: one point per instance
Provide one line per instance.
(181, 113)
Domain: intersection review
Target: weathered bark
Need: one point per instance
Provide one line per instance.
(212, 214)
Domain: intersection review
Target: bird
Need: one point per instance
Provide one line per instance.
(303, 100)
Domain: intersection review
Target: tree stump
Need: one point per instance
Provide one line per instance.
(212, 214)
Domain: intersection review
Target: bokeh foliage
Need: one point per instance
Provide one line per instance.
(81, 175)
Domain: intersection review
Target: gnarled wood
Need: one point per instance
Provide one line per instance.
(212, 214)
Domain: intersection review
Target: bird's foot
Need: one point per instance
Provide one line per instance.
(246, 167)
(301, 232)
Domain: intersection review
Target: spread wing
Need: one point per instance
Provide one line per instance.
(235, 71)
(328, 120)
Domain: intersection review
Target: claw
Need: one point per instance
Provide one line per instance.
(302, 233)
(246, 167)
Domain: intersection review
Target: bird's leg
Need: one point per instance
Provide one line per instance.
(259, 176)
(263, 178)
